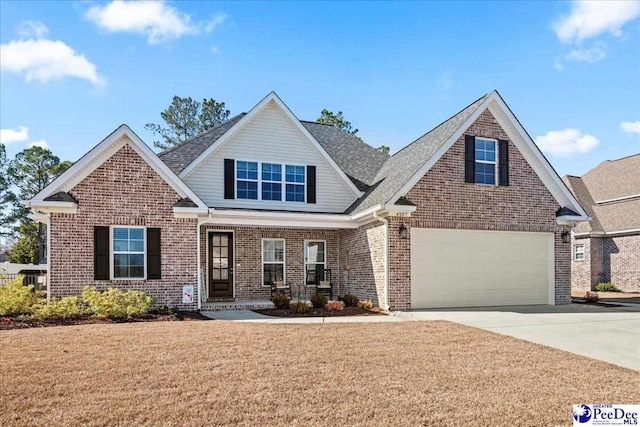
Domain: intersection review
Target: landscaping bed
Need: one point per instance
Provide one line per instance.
(18, 322)
(320, 312)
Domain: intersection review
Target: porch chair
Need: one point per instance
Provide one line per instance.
(321, 278)
(277, 284)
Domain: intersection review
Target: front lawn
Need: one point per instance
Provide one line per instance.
(222, 373)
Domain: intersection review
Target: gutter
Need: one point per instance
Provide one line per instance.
(386, 258)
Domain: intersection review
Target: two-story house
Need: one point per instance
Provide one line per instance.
(469, 214)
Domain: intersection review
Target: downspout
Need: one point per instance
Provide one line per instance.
(199, 266)
(386, 259)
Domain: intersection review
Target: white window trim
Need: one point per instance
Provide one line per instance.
(112, 252)
(236, 179)
(575, 252)
(486, 162)
(259, 181)
(304, 183)
(283, 262)
(304, 256)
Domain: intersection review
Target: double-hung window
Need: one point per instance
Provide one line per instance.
(273, 261)
(128, 249)
(315, 261)
(578, 252)
(271, 181)
(486, 161)
(295, 183)
(247, 180)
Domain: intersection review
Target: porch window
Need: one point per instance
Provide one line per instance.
(315, 260)
(578, 252)
(247, 180)
(273, 261)
(128, 249)
(295, 183)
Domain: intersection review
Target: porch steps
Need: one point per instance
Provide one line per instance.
(236, 305)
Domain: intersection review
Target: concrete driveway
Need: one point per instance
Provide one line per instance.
(611, 334)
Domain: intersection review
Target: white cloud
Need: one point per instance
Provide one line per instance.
(589, 18)
(632, 127)
(566, 142)
(7, 136)
(43, 60)
(158, 21)
(32, 29)
(590, 55)
(41, 143)
(216, 21)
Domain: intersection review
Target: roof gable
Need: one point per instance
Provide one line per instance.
(271, 99)
(123, 135)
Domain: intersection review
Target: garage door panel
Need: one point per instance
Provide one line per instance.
(466, 268)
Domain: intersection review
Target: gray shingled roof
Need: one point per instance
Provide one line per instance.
(609, 180)
(185, 203)
(180, 156)
(358, 160)
(399, 169)
(60, 196)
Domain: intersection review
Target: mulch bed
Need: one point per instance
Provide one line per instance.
(7, 323)
(320, 312)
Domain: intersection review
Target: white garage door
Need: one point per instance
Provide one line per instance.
(465, 268)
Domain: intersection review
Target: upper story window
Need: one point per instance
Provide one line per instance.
(486, 161)
(295, 183)
(247, 180)
(271, 181)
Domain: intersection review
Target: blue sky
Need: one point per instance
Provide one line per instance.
(72, 72)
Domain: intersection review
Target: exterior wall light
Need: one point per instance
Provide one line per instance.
(402, 231)
(566, 236)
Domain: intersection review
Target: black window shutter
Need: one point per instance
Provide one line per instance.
(503, 163)
(229, 178)
(153, 254)
(311, 184)
(101, 253)
(469, 158)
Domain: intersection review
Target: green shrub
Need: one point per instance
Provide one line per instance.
(318, 300)
(116, 303)
(605, 287)
(334, 306)
(63, 308)
(299, 307)
(16, 298)
(366, 304)
(280, 300)
(350, 300)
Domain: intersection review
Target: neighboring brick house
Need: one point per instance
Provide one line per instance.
(469, 214)
(607, 249)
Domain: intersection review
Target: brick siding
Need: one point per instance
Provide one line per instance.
(608, 259)
(124, 190)
(445, 200)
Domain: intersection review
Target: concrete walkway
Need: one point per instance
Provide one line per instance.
(610, 334)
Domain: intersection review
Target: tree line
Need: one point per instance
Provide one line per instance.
(32, 169)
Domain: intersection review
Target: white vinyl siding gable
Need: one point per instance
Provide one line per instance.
(271, 138)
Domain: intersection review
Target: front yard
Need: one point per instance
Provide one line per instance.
(221, 373)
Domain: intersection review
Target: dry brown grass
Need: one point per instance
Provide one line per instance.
(220, 373)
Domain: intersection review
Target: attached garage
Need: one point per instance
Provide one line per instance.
(469, 268)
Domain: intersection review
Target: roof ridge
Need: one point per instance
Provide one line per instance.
(622, 158)
(168, 150)
(440, 124)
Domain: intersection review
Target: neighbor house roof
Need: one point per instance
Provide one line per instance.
(610, 193)
(359, 161)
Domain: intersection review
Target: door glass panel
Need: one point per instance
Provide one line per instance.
(216, 240)
(224, 274)
(224, 240)
(216, 274)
